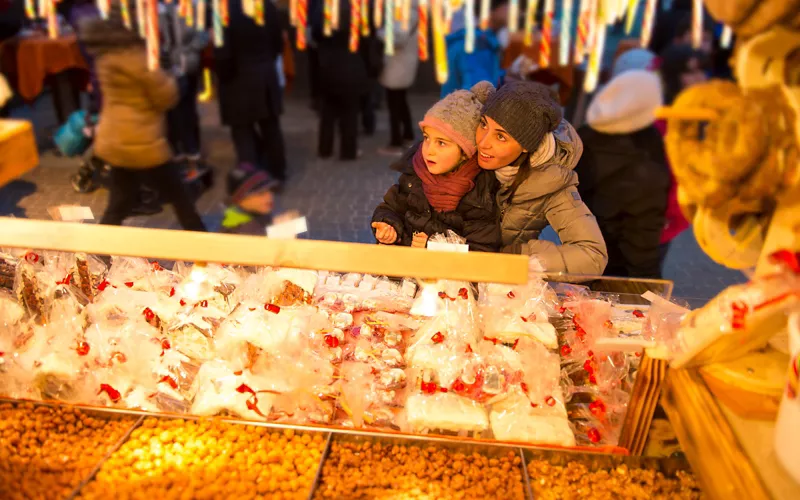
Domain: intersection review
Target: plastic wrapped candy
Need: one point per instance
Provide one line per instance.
(514, 419)
(445, 411)
(30, 292)
(221, 389)
(11, 312)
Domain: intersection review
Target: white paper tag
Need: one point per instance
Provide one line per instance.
(437, 246)
(289, 229)
(72, 213)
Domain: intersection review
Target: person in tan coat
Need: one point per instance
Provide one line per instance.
(131, 133)
(532, 150)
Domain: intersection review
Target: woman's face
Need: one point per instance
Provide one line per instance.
(496, 147)
(694, 74)
(441, 155)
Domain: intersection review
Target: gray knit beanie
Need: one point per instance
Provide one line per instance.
(458, 115)
(526, 110)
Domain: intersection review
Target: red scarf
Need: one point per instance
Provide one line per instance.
(445, 191)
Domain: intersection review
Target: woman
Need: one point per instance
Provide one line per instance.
(131, 134)
(524, 139)
(250, 96)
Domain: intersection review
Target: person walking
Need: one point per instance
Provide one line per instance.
(131, 132)
(399, 73)
(250, 96)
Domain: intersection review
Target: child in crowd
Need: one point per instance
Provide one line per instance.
(441, 186)
(251, 201)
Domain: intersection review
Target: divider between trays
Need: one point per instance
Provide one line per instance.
(105, 458)
(525, 476)
(318, 476)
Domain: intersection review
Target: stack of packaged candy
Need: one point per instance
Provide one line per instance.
(307, 347)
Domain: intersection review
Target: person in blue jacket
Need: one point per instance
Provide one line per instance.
(465, 70)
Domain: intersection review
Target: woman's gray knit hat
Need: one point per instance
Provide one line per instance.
(526, 110)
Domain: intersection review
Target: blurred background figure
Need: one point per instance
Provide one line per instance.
(181, 47)
(465, 70)
(250, 96)
(399, 73)
(624, 178)
(681, 67)
(344, 81)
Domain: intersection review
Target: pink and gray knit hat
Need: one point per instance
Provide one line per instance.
(458, 115)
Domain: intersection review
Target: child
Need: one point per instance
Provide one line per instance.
(251, 201)
(441, 186)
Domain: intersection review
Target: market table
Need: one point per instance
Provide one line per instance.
(18, 152)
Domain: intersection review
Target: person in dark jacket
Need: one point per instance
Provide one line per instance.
(343, 80)
(441, 186)
(624, 178)
(250, 95)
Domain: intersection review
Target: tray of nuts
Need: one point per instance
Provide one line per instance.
(169, 458)
(361, 467)
(558, 475)
(47, 450)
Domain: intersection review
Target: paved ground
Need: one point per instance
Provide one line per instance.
(337, 197)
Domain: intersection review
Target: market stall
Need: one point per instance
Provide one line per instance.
(18, 151)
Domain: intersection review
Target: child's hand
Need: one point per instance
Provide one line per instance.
(384, 233)
(420, 240)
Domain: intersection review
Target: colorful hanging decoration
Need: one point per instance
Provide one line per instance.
(302, 22)
(547, 34)
(293, 12)
(126, 13)
(388, 30)
(697, 23)
(364, 17)
(513, 16)
(207, 92)
(439, 48)
(30, 9)
(334, 14)
(484, 19)
(216, 23)
(647, 22)
(355, 24)
(582, 33)
(726, 38)
(153, 52)
(378, 14)
(422, 29)
(448, 16)
(564, 43)
(633, 7)
(596, 56)
(530, 21)
(258, 12)
(201, 15)
(189, 18)
(469, 26)
(327, 18)
(224, 13)
(141, 15)
(406, 15)
(52, 19)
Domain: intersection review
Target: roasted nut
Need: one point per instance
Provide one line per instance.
(40, 459)
(208, 459)
(372, 470)
(576, 481)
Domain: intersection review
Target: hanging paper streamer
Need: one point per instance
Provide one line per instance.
(334, 14)
(726, 38)
(189, 13)
(566, 29)
(355, 24)
(388, 30)
(378, 14)
(152, 35)
(448, 16)
(364, 17)
(633, 6)
(513, 16)
(398, 10)
(610, 8)
(224, 13)
(406, 15)
(422, 30)
(547, 35)
(183, 7)
(647, 22)
(101, 4)
(30, 9)
(469, 26)
(216, 23)
(141, 15)
(596, 57)
(582, 33)
(484, 19)
(126, 13)
(259, 12)
(302, 22)
(201, 15)
(52, 19)
(530, 21)
(327, 18)
(439, 48)
(697, 23)
(293, 12)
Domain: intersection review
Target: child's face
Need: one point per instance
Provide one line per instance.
(440, 153)
(258, 203)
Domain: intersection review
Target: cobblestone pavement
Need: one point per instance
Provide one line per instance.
(337, 197)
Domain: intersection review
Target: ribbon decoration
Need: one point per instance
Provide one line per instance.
(633, 6)
(547, 35)
(439, 47)
(566, 28)
(469, 26)
(302, 20)
(377, 14)
(126, 14)
(201, 15)
(327, 17)
(153, 59)
(583, 31)
(513, 16)
(30, 9)
(423, 11)
(647, 22)
(216, 23)
(530, 21)
(355, 24)
(388, 43)
(364, 17)
(484, 17)
(595, 58)
(697, 23)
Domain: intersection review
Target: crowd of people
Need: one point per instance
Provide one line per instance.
(494, 161)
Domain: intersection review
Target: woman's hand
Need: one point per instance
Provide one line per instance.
(420, 240)
(384, 233)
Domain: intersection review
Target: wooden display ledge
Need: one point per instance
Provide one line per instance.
(261, 251)
(733, 457)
